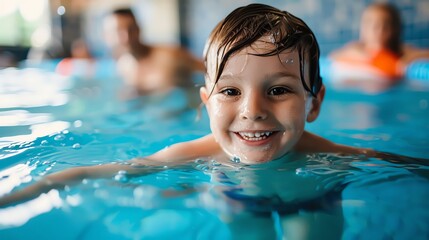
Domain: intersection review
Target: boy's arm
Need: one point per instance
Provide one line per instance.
(172, 156)
(312, 143)
(182, 152)
(71, 176)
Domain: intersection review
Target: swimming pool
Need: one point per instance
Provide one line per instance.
(49, 123)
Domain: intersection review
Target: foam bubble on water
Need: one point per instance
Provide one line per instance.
(146, 191)
(302, 172)
(146, 196)
(74, 200)
(43, 142)
(121, 176)
(59, 137)
(76, 146)
(77, 123)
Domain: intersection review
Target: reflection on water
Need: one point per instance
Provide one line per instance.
(32, 88)
(317, 196)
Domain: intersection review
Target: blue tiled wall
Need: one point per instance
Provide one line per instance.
(335, 22)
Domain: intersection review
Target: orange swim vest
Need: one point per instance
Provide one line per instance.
(384, 62)
(387, 62)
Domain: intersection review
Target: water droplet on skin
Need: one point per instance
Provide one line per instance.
(272, 39)
(235, 159)
(215, 163)
(199, 161)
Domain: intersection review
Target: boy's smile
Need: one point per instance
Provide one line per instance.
(259, 106)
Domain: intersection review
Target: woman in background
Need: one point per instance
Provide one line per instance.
(379, 59)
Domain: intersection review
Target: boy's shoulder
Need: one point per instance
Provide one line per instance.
(312, 143)
(187, 151)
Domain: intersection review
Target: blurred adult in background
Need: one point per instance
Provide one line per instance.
(379, 58)
(147, 68)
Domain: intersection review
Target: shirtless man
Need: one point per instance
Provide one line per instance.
(147, 68)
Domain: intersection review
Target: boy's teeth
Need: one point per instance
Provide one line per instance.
(255, 135)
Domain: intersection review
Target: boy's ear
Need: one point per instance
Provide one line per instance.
(203, 94)
(316, 104)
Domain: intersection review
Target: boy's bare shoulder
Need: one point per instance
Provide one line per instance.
(311, 143)
(187, 151)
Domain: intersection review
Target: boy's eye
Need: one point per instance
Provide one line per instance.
(230, 92)
(278, 91)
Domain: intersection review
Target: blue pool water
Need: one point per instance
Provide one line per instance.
(49, 123)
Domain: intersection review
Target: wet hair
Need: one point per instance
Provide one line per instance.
(245, 25)
(395, 42)
(124, 12)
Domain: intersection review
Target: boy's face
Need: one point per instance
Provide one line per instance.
(259, 106)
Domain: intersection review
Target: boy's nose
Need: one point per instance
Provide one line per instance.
(253, 108)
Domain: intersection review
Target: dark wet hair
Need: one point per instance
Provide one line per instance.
(395, 42)
(125, 12)
(245, 25)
